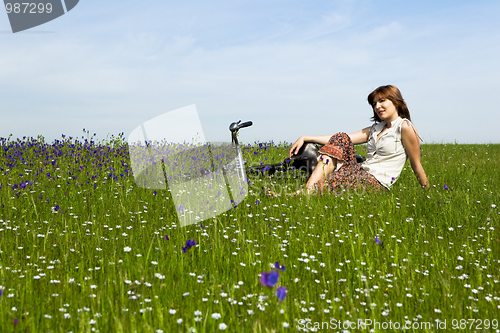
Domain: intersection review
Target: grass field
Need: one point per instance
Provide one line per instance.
(83, 249)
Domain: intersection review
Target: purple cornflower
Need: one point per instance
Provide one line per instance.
(154, 192)
(446, 187)
(277, 266)
(0, 292)
(269, 279)
(281, 293)
(16, 321)
(257, 202)
(189, 243)
(56, 208)
(378, 241)
(181, 208)
(166, 237)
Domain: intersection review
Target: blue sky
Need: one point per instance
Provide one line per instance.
(292, 67)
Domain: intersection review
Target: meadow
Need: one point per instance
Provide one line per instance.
(84, 249)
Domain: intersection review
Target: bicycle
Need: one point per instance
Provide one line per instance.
(305, 160)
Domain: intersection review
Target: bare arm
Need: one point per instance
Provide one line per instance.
(360, 137)
(412, 147)
(321, 139)
(356, 138)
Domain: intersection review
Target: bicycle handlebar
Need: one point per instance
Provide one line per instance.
(245, 124)
(234, 127)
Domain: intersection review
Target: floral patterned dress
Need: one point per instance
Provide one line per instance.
(350, 176)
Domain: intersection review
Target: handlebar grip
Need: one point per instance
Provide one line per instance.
(245, 124)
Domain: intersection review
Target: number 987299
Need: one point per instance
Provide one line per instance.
(28, 8)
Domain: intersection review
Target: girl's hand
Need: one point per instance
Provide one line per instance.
(296, 146)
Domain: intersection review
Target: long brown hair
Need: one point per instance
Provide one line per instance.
(393, 94)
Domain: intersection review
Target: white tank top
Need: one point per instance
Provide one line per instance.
(386, 155)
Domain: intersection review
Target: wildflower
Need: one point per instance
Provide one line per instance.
(189, 243)
(378, 241)
(166, 237)
(216, 315)
(281, 293)
(277, 266)
(446, 187)
(222, 326)
(56, 208)
(127, 249)
(16, 321)
(181, 208)
(269, 279)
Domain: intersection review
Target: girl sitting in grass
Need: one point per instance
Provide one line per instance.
(390, 141)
